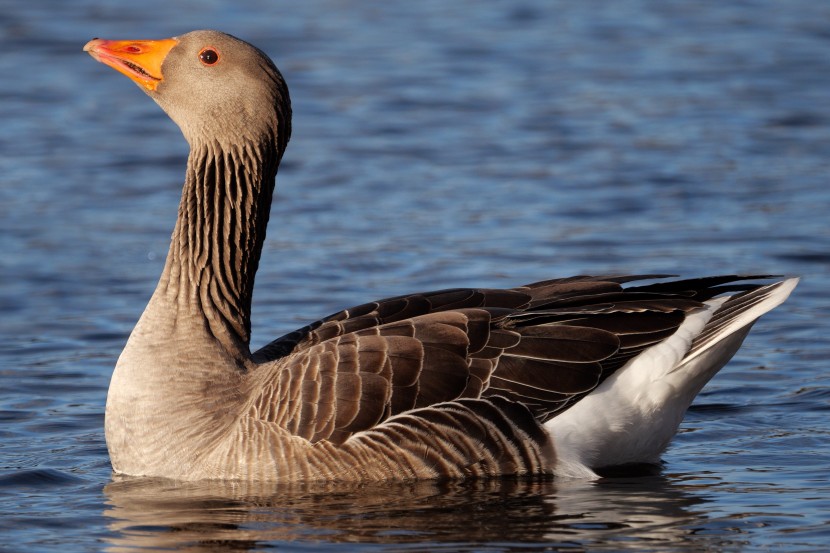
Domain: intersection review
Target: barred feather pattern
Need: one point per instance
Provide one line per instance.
(454, 383)
(467, 438)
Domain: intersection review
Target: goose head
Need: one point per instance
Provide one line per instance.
(214, 86)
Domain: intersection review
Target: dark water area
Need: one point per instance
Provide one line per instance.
(435, 145)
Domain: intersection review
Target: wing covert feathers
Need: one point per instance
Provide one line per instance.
(459, 382)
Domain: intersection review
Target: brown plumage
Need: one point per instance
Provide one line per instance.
(538, 379)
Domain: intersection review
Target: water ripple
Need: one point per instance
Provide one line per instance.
(436, 144)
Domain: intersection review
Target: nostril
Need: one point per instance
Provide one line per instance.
(132, 49)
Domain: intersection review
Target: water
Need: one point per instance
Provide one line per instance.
(435, 145)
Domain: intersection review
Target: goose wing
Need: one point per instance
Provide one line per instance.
(544, 346)
(352, 370)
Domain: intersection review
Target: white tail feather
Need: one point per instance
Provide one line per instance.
(633, 415)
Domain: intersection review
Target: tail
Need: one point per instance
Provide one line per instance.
(632, 416)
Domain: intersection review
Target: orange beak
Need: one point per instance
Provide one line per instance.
(140, 60)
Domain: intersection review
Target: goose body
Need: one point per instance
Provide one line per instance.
(562, 377)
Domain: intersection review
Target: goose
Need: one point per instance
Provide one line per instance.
(567, 377)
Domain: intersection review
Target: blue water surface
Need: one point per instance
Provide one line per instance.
(435, 144)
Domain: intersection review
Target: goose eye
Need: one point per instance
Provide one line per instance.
(209, 56)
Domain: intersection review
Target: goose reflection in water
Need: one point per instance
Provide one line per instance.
(618, 513)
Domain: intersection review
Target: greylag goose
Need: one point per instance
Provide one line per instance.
(565, 377)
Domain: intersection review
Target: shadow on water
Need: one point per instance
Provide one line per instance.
(648, 513)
